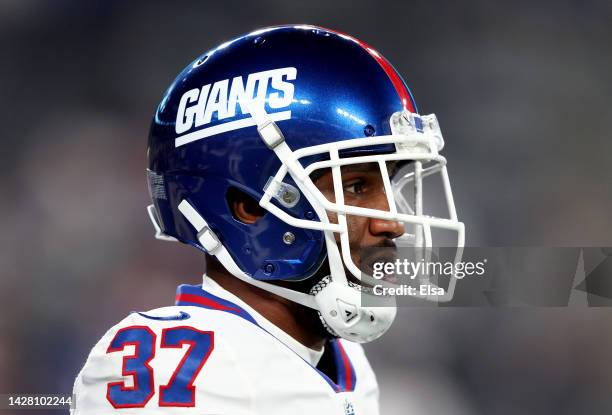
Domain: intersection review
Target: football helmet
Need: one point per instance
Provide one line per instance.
(262, 114)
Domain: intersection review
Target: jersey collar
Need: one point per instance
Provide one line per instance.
(211, 295)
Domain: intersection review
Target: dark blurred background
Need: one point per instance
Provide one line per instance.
(523, 92)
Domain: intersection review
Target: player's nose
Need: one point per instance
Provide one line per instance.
(389, 229)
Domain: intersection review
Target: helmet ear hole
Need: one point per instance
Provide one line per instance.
(244, 208)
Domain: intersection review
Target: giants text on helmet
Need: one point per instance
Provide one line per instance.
(197, 106)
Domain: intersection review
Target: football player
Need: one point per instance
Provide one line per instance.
(282, 155)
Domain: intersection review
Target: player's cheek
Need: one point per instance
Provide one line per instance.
(356, 226)
(332, 217)
(376, 199)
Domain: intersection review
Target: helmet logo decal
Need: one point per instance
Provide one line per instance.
(218, 101)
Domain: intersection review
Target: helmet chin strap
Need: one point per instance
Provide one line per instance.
(213, 246)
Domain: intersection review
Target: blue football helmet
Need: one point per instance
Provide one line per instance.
(262, 114)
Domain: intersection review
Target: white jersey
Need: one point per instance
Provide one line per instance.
(213, 354)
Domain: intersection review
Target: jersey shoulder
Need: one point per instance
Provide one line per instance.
(216, 358)
(160, 358)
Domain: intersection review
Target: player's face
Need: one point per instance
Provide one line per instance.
(363, 187)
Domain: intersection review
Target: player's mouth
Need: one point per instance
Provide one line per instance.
(367, 261)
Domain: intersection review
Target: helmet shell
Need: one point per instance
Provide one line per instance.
(322, 86)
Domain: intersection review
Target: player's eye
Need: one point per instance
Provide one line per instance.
(355, 186)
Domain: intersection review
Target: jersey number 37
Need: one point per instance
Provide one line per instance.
(179, 391)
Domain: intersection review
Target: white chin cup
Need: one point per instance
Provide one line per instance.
(341, 311)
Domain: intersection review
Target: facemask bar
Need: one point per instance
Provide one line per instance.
(422, 237)
(410, 147)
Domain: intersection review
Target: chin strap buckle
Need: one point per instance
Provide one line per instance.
(270, 134)
(267, 129)
(207, 238)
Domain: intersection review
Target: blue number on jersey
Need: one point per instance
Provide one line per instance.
(136, 366)
(180, 390)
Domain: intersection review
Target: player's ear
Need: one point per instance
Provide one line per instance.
(243, 207)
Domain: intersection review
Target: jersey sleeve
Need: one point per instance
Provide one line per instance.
(167, 361)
